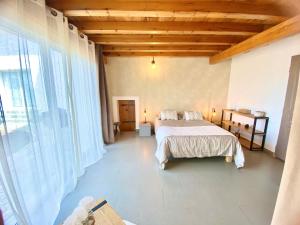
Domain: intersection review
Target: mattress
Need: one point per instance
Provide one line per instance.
(190, 139)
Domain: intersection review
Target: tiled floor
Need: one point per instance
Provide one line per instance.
(190, 192)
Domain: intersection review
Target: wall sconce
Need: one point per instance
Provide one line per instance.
(213, 114)
(145, 115)
(153, 63)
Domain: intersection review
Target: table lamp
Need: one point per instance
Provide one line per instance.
(145, 115)
(213, 114)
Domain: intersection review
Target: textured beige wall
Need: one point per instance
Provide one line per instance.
(175, 83)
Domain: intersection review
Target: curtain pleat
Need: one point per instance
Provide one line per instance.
(106, 112)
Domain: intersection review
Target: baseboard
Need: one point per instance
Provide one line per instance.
(272, 154)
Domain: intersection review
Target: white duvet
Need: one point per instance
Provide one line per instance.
(197, 141)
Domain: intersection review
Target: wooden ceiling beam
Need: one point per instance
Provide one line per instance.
(240, 33)
(161, 43)
(166, 39)
(171, 32)
(176, 54)
(282, 30)
(246, 7)
(164, 51)
(106, 27)
(177, 16)
(119, 48)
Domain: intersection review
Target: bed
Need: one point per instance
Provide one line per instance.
(195, 138)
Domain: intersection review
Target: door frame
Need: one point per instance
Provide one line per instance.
(115, 107)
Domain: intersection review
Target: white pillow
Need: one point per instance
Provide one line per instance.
(198, 116)
(163, 115)
(168, 115)
(191, 115)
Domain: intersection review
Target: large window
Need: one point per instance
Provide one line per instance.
(49, 111)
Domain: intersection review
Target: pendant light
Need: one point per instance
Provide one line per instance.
(153, 63)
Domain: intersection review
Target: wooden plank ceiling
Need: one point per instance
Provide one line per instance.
(173, 27)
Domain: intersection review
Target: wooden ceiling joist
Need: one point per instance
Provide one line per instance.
(244, 7)
(94, 27)
(160, 43)
(165, 51)
(216, 28)
(116, 48)
(173, 16)
(282, 30)
(167, 39)
(171, 32)
(176, 54)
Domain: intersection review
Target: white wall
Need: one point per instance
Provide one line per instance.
(258, 81)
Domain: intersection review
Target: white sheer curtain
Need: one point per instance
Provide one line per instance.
(50, 117)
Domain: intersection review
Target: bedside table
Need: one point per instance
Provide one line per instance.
(145, 129)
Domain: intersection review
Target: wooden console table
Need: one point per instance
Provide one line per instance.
(251, 130)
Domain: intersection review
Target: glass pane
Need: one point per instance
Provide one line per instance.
(36, 130)
(8, 215)
(27, 128)
(12, 96)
